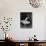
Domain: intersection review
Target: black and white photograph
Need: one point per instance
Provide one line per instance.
(26, 19)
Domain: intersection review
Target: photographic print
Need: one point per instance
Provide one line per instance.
(26, 19)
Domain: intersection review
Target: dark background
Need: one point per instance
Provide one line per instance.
(23, 15)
